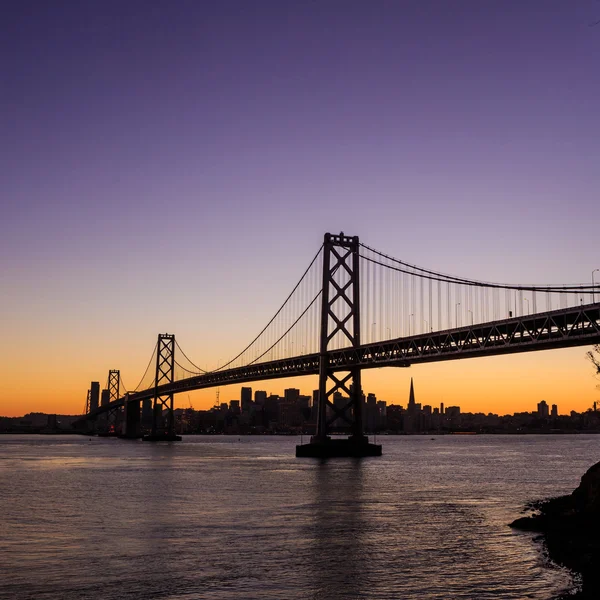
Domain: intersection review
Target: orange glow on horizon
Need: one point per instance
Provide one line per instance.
(499, 384)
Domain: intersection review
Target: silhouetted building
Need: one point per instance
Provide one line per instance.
(94, 395)
(260, 396)
(271, 410)
(246, 399)
(289, 413)
(105, 398)
(452, 417)
(339, 402)
(146, 411)
(411, 416)
(542, 409)
(554, 410)
(234, 406)
(291, 394)
(370, 417)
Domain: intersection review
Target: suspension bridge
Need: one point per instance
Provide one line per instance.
(357, 308)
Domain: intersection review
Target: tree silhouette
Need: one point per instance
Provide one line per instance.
(594, 357)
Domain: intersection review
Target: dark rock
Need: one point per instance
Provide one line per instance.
(571, 530)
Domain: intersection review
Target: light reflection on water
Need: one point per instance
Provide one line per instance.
(227, 517)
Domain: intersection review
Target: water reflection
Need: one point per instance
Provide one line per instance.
(223, 520)
(337, 561)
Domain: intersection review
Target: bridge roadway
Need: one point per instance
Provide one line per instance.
(575, 326)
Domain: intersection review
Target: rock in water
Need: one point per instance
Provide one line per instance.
(586, 498)
(571, 529)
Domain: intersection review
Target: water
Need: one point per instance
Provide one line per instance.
(227, 517)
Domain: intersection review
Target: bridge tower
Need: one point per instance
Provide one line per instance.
(163, 427)
(114, 418)
(340, 320)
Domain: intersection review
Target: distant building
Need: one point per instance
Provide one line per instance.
(289, 413)
(339, 402)
(304, 405)
(554, 410)
(371, 413)
(234, 406)
(260, 396)
(271, 410)
(94, 395)
(452, 417)
(291, 394)
(542, 409)
(411, 416)
(146, 410)
(246, 399)
(315, 406)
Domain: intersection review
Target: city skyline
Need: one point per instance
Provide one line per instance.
(176, 172)
(248, 398)
(225, 396)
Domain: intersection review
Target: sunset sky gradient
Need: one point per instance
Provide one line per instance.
(171, 166)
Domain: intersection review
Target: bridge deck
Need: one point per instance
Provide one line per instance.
(576, 326)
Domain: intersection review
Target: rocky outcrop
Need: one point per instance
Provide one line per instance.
(570, 526)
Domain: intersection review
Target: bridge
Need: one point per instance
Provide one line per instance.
(356, 308)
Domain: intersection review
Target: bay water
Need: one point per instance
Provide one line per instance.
(222, 517)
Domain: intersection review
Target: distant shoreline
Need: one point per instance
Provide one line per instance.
(386, 434)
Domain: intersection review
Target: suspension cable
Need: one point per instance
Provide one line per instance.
(437, 276)
(146, 371)
(188, 359)
(569, 289)
(287, 331)
(274, 316)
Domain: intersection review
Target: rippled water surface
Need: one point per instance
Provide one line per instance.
(227, 517)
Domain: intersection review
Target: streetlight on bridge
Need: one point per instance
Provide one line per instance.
(526, 300)
(594, 271)
(456, 313)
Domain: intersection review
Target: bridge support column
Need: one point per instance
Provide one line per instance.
(163, 419)
(340, 326)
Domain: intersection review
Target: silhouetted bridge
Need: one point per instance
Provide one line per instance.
(387, 314)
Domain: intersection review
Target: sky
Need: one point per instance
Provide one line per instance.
(172, 166)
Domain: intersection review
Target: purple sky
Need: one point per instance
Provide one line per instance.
(172, 166)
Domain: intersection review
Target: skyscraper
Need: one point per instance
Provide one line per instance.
(411, 398)
(411, 416)
(94, 395)
(246, 399)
